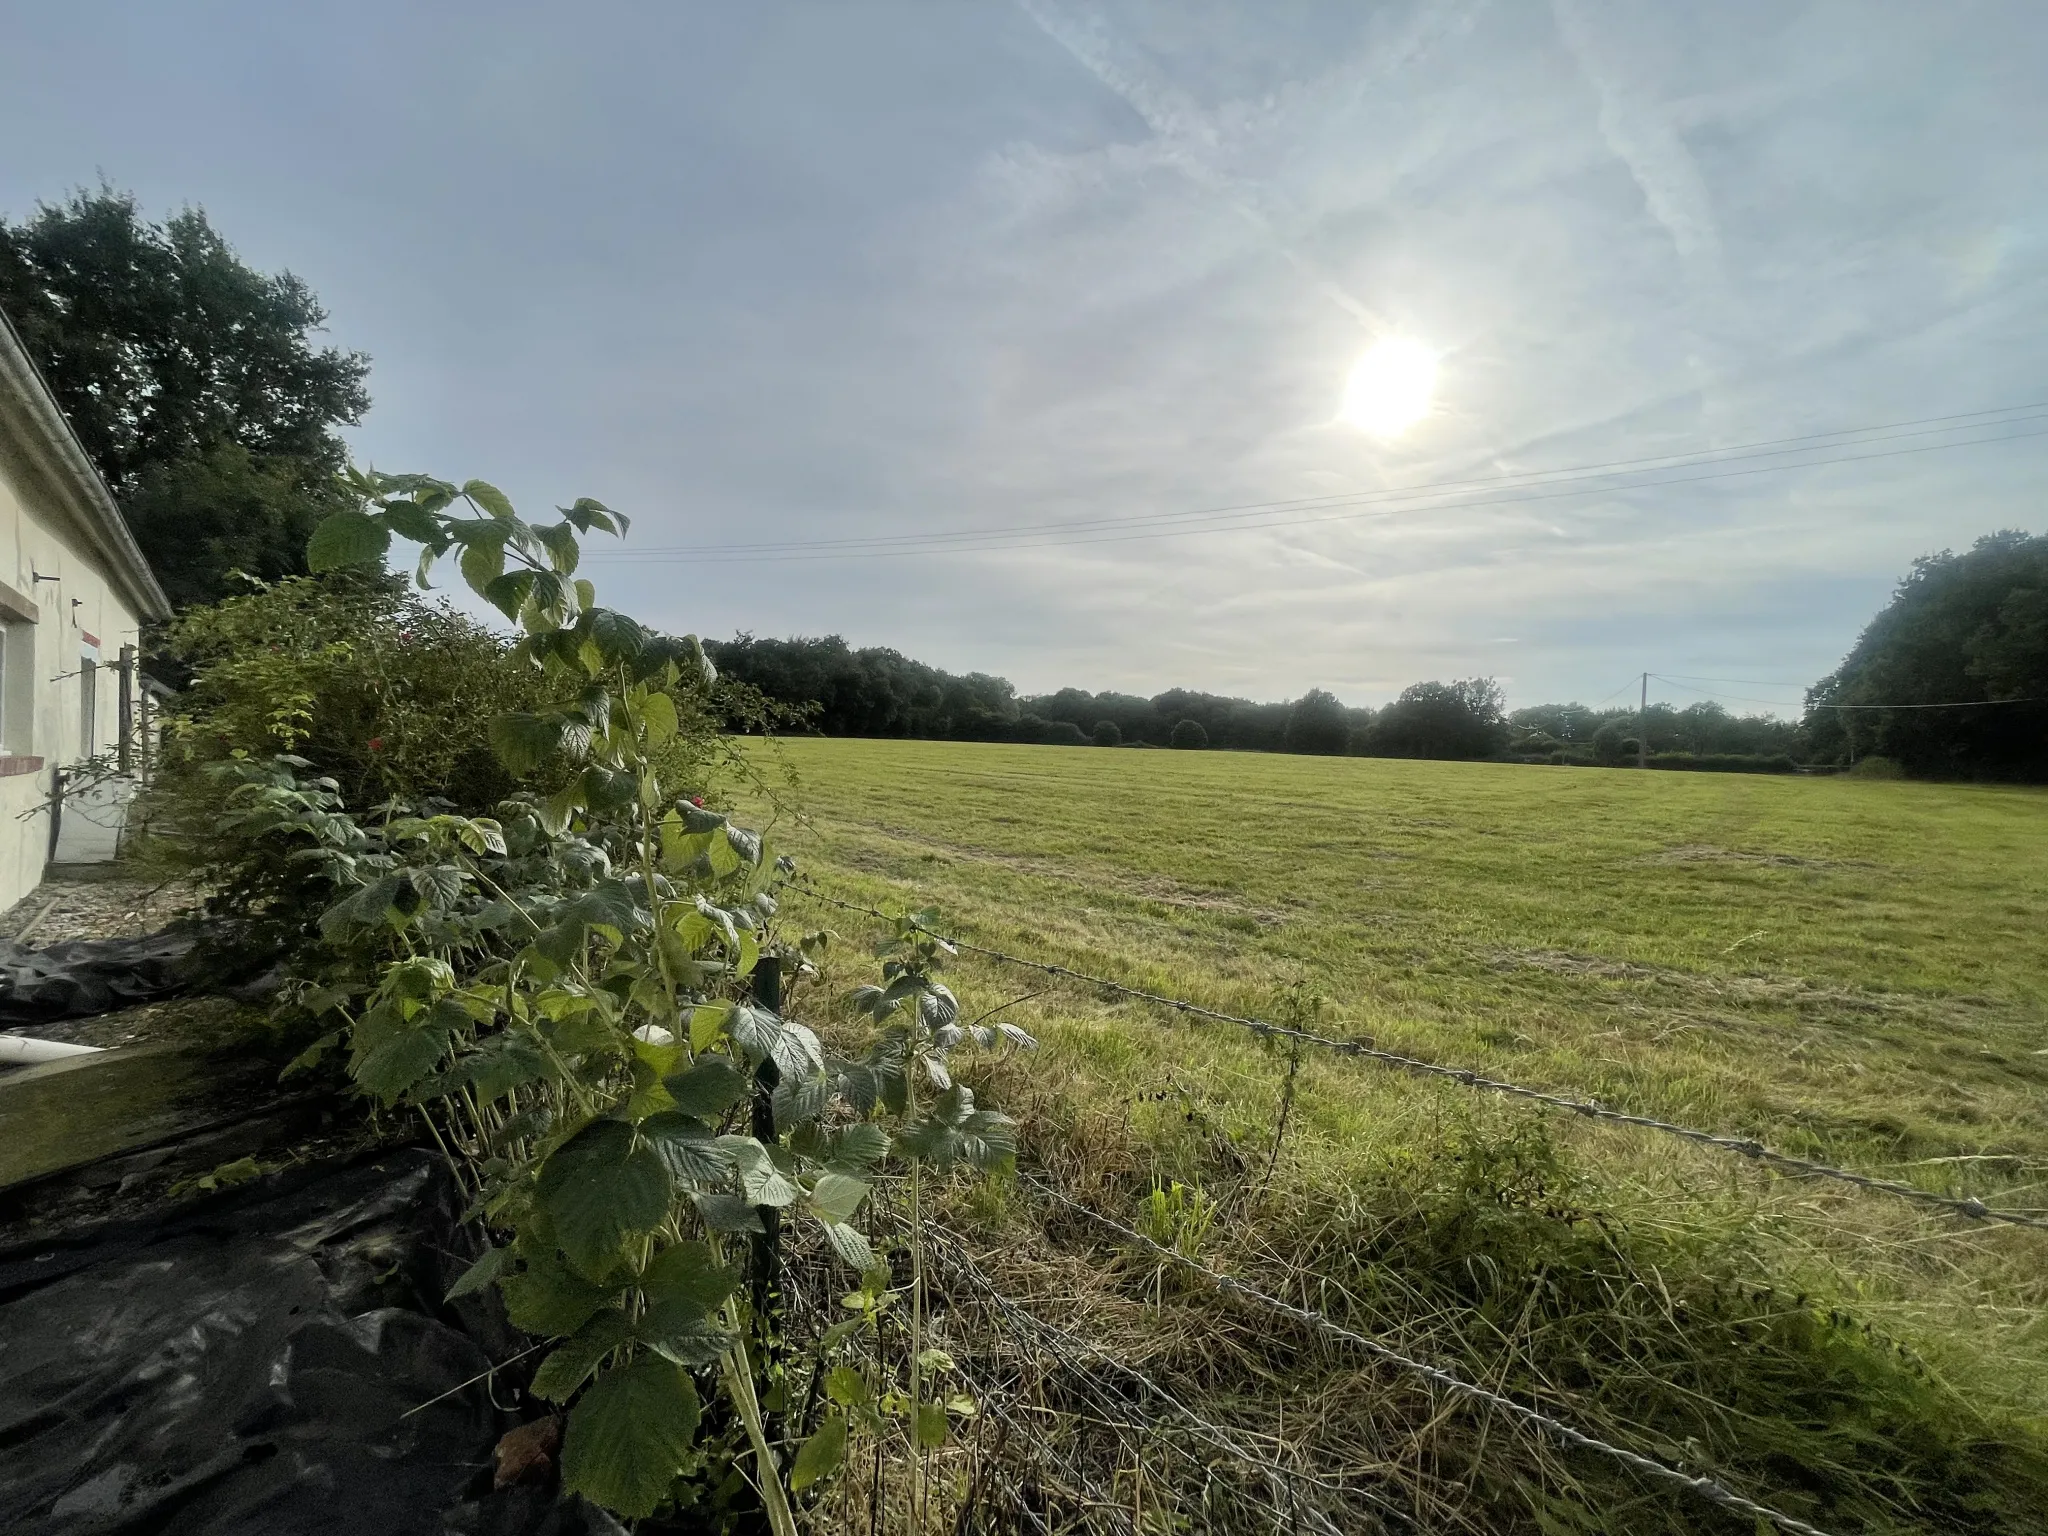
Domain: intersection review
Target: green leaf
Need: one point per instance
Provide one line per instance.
(630, 1435)
(589, 513)
(836, 1196)
(957, 1132)
(728, 1213)
(819, 1456)
(689, 1272)
(706, 1025)
(598, 1188)
(490, 498)
(687, 1149)
(524, 741)
(410, 520)
(851, 1246)
(760, 1180)
(566, 1368)
(617, 638)
(658, 718)
(856, 1147)
(480, 1274)
(551, 1299)
(683, 1332)
(508, 593)
(405, 1058)
(482, 564)
(931, 1425)
(559, 540)
(846, 1386)
(347, 538)
(708, 1089)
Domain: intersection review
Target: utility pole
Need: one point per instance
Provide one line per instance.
(1643, 725)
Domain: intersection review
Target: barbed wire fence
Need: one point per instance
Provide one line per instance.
(1745, 1147)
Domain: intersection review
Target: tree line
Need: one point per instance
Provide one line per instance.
(839, 690)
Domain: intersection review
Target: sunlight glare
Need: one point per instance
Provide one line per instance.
(1391, 388)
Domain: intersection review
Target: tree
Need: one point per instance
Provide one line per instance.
(1189, 736)
(1317, 723)
(1966, 630)
(1108, 734)
(1446, 720)
(191, 379)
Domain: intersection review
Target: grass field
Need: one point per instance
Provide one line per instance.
(1850, 970)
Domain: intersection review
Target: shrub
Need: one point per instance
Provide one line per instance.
(389, 693)
(1876, 767)
(1189, 736)
(1062, 733)
(1107, 734)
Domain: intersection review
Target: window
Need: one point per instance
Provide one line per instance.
(88, 705)
(17, 688)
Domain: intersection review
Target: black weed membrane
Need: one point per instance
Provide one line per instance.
(82, 977)
(274, 1359)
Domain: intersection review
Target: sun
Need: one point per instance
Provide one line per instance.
(1391, 388)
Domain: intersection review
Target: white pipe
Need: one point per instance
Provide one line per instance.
(21, 1051)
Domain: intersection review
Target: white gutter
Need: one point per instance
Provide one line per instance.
(21, 1051)
(58, 453)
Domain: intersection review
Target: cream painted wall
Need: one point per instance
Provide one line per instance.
(41, 693)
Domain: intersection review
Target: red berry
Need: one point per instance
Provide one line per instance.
(376, 743)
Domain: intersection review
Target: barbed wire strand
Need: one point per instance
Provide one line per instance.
(1716, 1493)
(1756, 1151)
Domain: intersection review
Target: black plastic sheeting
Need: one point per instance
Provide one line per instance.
(258, 1362)
(86, 976)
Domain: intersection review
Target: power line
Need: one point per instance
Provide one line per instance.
(1337, 498)
(1576, 480)
(1708, 1488)
(1756, 1151)
(1783, 704)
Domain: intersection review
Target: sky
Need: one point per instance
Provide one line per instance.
(977, 315)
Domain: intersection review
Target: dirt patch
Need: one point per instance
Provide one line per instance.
(58, 910)
(1707, 853)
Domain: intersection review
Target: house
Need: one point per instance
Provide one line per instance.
(74, 592)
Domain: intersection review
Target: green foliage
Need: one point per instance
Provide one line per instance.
(1317, 723)
(1188, 736)
(1969, 628)
(1464, 719)
(1107, 733)
(390, 694)
(191, 380)
(563, 987)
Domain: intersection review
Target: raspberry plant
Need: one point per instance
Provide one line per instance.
(566, 993)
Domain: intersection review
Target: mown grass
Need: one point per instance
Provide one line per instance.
(1846, 969)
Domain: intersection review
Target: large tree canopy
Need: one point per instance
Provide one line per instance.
(191, 379)
(1962, 633)
(1456, 720)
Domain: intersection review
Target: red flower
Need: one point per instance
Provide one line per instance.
(697, 801)
(376, 743)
